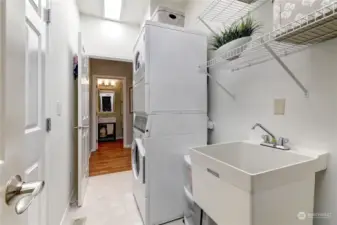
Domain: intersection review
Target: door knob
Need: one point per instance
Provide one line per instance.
(22, 193)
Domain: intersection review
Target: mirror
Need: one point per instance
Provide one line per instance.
(107, 101)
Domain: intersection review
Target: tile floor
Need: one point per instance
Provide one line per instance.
(109, 201)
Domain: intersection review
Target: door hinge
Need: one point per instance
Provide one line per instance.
(48, 124)
(47, 15)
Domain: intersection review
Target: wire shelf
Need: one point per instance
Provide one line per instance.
(319, 26)
(229, 11)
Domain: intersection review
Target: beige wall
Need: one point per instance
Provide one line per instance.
(119, 69)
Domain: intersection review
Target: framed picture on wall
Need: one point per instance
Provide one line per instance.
(131, 99)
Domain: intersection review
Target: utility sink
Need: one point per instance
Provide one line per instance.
(241, 183)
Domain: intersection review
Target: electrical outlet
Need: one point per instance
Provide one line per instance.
(279, 106)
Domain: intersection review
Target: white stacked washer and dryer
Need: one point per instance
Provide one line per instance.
(170, 116)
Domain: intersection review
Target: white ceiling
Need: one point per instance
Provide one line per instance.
(133, 11)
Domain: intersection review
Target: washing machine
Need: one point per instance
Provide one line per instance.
(138, 158)
(138, 170)
(158, 162)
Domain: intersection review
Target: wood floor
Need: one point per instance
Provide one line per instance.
(110, 157)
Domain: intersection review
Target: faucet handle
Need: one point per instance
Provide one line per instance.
(266, 138)
(282, 141)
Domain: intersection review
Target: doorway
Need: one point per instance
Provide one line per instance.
(111, 118)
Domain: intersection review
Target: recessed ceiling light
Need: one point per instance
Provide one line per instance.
(112, 9)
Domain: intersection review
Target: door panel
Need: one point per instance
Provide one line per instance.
(83, 127)
(36, 4)
(23, 108)
(33, 79)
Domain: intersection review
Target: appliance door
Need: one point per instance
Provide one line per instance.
(139, 59)
(138, 160)
(139, 97)
(138, 68)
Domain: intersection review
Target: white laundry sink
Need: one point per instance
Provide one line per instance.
(246, 184)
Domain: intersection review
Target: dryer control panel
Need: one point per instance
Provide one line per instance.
(140, 123)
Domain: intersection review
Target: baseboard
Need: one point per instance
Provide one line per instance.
(127, 146)
(119, 138)
(65, 214)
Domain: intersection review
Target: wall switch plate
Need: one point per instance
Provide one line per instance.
(279, 106)
(58, 108)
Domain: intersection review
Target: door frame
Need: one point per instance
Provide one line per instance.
(110, 58)
(2, 14)
(93, 115)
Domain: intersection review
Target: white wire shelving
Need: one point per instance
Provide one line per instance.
(316, 27)
(229, 11)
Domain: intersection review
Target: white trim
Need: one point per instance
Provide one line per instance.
(127, 146)
(2, 46)
(48, 111)
(110, 58)
(66, 211)
(118, 138)
(94, 104)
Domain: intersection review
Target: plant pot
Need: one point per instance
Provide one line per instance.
(232, 45)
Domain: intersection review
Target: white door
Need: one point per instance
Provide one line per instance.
(22, 114)
(83, 121)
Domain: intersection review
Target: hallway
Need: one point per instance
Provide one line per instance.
(110, 157)
(109, 201)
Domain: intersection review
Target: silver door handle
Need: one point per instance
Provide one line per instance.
(22, 193)
(82, 127)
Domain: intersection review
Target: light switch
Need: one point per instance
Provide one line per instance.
(279, 106)
(58, 108)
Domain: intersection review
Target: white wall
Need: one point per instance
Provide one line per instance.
(108, 39)
(147, 15)
(193, 10)
(173, 4)
(308, 122)
(63, 32)
(93, 7)
(134, 11)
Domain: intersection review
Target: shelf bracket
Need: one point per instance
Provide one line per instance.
(221, 86)
(286, 68)
(206, 25)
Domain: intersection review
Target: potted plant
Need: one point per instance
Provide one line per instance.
(235, 36)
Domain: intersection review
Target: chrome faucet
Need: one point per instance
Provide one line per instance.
(269, 140)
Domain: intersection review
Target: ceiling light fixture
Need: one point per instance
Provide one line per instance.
(99, 81)
(113, 82)
(112, 9)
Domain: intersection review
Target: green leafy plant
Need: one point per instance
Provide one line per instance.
(245, 28)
